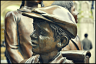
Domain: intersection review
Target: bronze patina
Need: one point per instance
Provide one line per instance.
(74, 44)
(54, 26)
(17, 32)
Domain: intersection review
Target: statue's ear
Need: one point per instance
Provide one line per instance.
(64, 41)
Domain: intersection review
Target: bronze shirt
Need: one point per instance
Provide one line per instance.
(57, 59)
(17, 36)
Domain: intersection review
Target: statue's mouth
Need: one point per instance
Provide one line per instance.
(34, 44)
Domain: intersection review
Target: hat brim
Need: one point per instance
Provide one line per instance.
(57, 21)
(34, 15)
(57, 15)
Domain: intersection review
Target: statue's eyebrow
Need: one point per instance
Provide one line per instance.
(43, 29)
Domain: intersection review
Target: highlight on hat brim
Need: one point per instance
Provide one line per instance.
(61, 23)
(34, 15)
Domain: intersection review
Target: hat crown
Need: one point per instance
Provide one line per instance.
(58, 15)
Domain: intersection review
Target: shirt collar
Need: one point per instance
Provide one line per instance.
(57, 59)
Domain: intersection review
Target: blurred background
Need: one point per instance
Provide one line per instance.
(86, 22)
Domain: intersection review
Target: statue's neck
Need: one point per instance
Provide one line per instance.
(31, 4)
(46, 58)
(28, 6)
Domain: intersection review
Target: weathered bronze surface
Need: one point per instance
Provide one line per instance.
(71, 8)
(43, 37)
(17, 33)
(77, 56)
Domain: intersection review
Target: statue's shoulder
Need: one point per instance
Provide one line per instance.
(12, 16)
(12, 13)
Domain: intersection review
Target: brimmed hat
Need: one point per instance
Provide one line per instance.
(55, 14)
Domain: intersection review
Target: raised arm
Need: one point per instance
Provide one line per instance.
(11, 39)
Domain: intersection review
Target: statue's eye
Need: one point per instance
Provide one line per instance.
(41, 32)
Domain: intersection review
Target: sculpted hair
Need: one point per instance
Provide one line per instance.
(58, 33)
(65, 4)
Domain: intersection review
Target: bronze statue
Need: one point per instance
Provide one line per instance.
(76, 45)
(17, 32)
(54, 26)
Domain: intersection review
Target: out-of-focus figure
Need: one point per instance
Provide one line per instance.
(86, 43)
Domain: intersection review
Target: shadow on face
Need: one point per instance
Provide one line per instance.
(42, 38)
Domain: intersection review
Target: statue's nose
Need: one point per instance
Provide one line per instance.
(33, 35)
